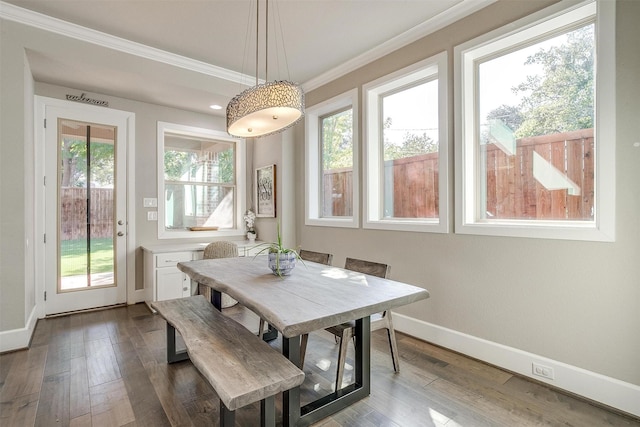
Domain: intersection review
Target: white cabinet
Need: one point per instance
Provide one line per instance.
(163, 280)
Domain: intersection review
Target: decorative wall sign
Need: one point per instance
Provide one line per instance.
(265, 185)
(91, 101)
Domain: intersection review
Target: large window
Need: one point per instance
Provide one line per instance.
(200, 189)
(533, 153)
(406, 149)
(331, 156)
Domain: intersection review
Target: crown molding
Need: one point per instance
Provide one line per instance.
(455, 13)
(54, 25)
(44, 22)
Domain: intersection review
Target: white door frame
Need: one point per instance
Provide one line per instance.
(41, 103)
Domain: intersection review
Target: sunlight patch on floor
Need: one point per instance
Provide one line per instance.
(324, 364)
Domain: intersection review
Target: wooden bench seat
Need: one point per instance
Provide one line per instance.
(241, 367)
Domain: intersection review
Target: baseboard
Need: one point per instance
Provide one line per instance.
(600, 388)
(17, 339)
(138, 295)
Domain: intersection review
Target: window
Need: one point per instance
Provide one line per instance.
(406, 148)
(331, 156)
(199, 187)
(534, 158)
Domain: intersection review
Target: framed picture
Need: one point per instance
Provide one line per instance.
(265, 185)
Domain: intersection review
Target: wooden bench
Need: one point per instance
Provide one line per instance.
(241, 367)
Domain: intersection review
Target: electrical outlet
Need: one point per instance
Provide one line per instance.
(542, 371)
(152, 216)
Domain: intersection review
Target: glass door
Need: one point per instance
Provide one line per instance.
(86, 205)
(85, 210)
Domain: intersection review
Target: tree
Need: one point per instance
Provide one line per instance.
(561, 99)
(74, 163)
(508, 115)
(337, 141)
(413, 144)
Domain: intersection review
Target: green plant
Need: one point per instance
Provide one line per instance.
(278, 249)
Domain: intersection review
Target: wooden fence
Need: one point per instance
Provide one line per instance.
(514, 193)
(73, 211)
(338, 194)
(512, 190)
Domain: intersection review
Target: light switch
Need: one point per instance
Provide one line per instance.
(150, 202)
(152, 216)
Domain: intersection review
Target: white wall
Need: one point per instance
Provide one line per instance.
(574, 305)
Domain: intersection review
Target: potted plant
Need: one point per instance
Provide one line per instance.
(249, 219)
(281, 260)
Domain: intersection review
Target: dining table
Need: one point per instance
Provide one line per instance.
(313, 297)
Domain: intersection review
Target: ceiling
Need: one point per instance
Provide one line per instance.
(190, 54)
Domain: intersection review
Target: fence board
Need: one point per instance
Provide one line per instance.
(512, 192)
(73, 213)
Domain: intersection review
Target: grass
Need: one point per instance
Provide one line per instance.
(73, 259)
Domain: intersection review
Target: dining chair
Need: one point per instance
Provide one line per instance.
(319, 257)
(221, 249)
(346, 331)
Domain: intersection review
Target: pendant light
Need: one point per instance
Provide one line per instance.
(267, 108)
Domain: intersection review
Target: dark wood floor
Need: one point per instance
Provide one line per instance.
(108, 368)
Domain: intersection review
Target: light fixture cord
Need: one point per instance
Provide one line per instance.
(257, 36)
(266, 41)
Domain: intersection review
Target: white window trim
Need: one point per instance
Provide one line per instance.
(603, 228)
(433, 67)
(313, 158)
(240, 193)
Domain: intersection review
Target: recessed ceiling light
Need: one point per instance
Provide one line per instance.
(215, 107)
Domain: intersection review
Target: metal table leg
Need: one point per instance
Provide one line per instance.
(294, 415)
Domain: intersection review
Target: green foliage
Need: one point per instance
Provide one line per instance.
(413, 144)
(277, 248)
(508, 115)
(562, 98)
(337, 140)
(74, 163)
(178, 163)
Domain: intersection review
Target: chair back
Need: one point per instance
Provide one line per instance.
(367, 267)
(319, 257)
(221, 249)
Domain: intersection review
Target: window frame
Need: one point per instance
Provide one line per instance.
(313, 160)
(434, 67)
(240, 180)
(546, 21)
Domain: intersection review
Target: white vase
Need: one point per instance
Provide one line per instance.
(251, 237)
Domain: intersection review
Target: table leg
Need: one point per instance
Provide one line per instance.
(294, 415)
(216, 299)
(172, 354)
(291, 398)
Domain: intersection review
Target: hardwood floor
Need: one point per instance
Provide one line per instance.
(108, 368)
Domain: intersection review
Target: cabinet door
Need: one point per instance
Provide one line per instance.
(169, 283)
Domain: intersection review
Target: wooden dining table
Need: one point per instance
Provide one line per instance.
(312, 298)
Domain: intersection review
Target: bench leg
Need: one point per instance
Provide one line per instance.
(268, 412)
(172, 355)
(227, 417)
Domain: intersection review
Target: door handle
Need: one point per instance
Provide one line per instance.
(120, 233)
(120, 222)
